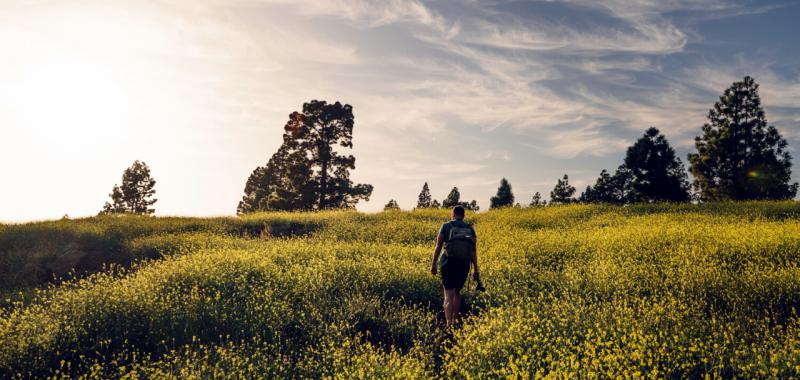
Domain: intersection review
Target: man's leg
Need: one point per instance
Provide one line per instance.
(447, 301)
(455, 305)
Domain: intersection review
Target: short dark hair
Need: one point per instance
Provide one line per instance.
(458, 211)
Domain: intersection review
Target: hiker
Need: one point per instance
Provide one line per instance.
(460, 246)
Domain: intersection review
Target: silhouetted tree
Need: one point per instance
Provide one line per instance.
(607, 189)
(562, 193)
(436, 204)
(739, 156)
(135, 195)
(392, 205)
(424, 199)
(453, 198)
(536, 200)
(656, 173)
(504, 197)
(307, 172)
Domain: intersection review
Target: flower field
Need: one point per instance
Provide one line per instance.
(646, 291)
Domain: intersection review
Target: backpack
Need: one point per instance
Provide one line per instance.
(459, 243)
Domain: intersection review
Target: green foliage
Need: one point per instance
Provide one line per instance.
(581, 291)
(391, 205)
(135, 195)
(424, 199)
(656, 173)
(537, 200)
(563, 192)
(739, 156)
(453, 199)
(504, 197)
(307, 172)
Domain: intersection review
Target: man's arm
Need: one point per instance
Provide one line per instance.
(475, 272)
(436, 252)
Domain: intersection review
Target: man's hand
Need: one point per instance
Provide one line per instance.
(433, 270)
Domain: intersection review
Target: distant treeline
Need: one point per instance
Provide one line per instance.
(739, 157)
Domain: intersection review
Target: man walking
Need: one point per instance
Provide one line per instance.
(460, 246)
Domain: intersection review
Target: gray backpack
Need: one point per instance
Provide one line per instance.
(459, 242)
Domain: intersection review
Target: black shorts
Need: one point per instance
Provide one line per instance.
(454, 272)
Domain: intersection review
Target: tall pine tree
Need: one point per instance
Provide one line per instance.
(135, 194)
(307, 172)
(562, 193)
(738, 155)
(504, 197)
(453, 199)
(424, 199)
(656, 173)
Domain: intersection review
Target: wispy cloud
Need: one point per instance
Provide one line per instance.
(455, 93)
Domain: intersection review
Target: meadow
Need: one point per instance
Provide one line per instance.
(587, 291)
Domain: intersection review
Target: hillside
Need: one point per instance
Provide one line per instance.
(582, 290)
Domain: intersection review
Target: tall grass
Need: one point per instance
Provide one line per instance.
(573, 291)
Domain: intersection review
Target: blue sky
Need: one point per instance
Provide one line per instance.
(455, 93)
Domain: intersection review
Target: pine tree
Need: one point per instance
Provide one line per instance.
(453, 199)
(307, 172)
(392, 205)
(607, 188)
(424, 199)
(536, 200)
(562, 193)
(657, 174)
(135, 195)
(739, 156)
(504, 197)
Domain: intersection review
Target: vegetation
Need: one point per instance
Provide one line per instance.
(659, 290)
(424, 199)
(453, 199)
(739, 156)
(307, 173)
(504, 197)
(391, 205)
(563, 192)
(135, 195)
(537, 200)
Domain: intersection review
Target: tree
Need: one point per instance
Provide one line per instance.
(738, 155)
(536, 200)
(436, 204)
(562, 193)
(453, 199)
(307, 172)
(135, 195)
(424, 199)
(392, 205)
(608, 188)
(472, 205)
(504, 197)
(656, 173)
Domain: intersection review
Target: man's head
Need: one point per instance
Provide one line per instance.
(458, 212)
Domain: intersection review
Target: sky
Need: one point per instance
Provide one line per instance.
(455, 93)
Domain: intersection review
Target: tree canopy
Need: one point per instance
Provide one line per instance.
(307, 172)
(424, 200)
(504, 197)
(391, 205)
(135, 195)
(739, 156)
(454, 199)
(562, 193)
(656, 173)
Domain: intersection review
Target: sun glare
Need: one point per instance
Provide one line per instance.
(68, 102)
